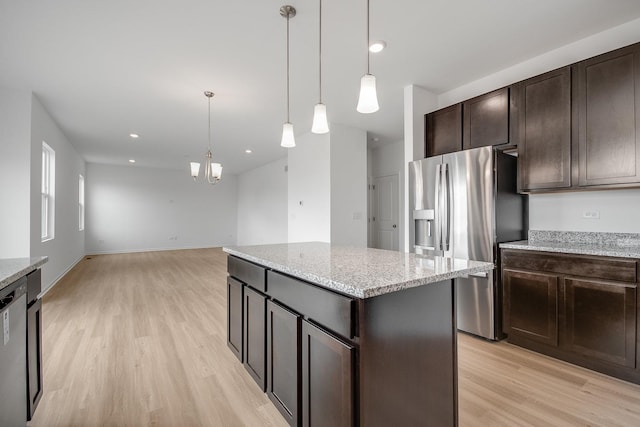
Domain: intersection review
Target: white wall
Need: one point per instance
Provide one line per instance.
(563, 211)
(348, 186)
(262, 204)
(309, 183)
(15, 158)
(417, 102)
(132, 208)
(618, 211)
(67, 247)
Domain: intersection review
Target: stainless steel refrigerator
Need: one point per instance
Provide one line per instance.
(463, 205)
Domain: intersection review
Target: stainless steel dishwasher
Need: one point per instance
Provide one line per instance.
(13, 354)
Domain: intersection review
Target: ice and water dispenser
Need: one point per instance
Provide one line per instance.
(424, 230)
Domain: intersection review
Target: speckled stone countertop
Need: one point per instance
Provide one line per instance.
(359, 272)
(11, 269)
(623, 245)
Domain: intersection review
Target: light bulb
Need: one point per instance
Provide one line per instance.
(216, 171)
(368, 99)
(320, 124)
(288, 140)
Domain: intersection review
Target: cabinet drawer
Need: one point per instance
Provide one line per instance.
(247, 272)
(576, 265)
(334, 311)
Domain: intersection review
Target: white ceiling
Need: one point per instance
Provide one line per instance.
(104, 69)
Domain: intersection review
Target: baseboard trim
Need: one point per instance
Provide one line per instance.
(64, 273)
(133, 251)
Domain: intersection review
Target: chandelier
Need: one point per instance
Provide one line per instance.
(212, 171)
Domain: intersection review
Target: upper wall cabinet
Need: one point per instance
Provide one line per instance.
(486, 119)
(443, 131)
(608, 103)
(544, 141)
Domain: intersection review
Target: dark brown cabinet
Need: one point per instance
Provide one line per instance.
(234, 316)
(255, 305)
(579, 308)
(608, 102)
(486, 119)
(601, 320)
(328, 377)
(443, 131)
(544, 141)
(34, 342)
(283, 361)
(531, 302)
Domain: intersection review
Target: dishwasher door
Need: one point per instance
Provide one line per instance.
(13, 355)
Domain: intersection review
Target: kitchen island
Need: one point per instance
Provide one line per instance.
(346, 336)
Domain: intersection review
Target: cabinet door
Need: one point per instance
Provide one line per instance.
(34, 356)
(283, 361)
(486, 119)
(608, 116)
(544, 143)
(327, 379)
(443, 131)
(234, 316)
(531, 305)
(254, 335)
(601, 320)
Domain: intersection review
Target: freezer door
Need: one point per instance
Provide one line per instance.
(475, 305)
(424, 228)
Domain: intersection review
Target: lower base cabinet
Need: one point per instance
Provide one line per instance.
(327, 379)
(234, 316)
(255, 305)
(283, 361)
(589, 320)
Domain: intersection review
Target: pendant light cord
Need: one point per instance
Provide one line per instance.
(368, 54)
(320, 54)
(288, 121)
(209, 123)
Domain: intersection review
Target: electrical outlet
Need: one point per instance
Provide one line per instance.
(591, 214)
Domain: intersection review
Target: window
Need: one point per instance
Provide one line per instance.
(48, 191)
(81, 203)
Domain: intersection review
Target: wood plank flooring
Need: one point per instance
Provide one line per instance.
(140, 339)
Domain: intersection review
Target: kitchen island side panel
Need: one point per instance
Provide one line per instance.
(408, 358)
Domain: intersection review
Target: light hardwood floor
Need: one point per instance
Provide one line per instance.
(140, 339)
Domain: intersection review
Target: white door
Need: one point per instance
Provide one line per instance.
(386, 212)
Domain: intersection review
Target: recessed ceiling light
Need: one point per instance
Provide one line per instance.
(131, 161)
(248, 151)
(377, 46)
(134, 135)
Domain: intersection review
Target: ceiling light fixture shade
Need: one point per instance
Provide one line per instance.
(212, 170)
(195, 170)
(320, 123)
(368, 99)
(288, 139)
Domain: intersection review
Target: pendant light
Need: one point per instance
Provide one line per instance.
(288, 139)
(368, 99)
(320, 124)
(212, 171)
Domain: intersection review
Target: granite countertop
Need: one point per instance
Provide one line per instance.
(359, 272)
(622, 245)
(11, 269)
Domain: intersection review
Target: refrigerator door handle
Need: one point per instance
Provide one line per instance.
(446, 207)
(438, 211)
